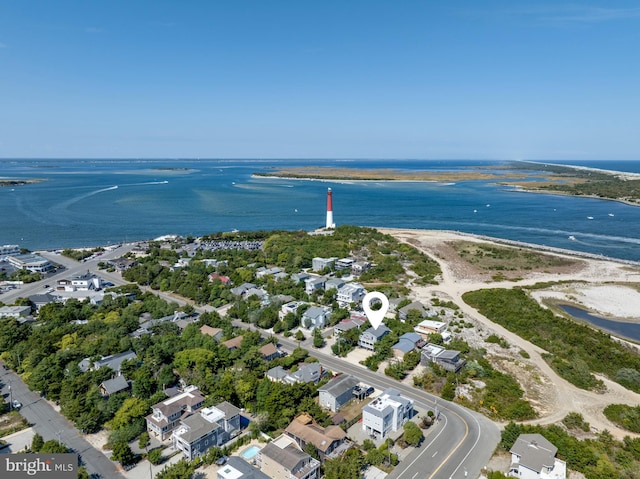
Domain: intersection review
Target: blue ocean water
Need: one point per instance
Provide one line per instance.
(94, 202)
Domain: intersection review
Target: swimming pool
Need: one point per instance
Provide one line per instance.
(250, 452)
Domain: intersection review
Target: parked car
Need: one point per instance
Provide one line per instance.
(221, 461)
(16, 404)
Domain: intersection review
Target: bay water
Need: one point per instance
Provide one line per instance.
(100, 202)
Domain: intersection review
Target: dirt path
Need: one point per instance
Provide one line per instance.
(554, 396)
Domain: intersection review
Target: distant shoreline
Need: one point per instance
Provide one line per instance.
(513, 180)
(5, 182)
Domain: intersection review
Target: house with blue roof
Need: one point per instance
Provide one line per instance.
(406, 343)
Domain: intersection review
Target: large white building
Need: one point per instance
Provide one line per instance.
(350, 293)
(30, 262)
(386, 413)
(318, 264)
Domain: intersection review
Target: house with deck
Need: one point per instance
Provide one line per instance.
(386, 413)
(283, 458)
(213, 426)
(166, 415)
(371, 336)
(330, 442)
(447, 358)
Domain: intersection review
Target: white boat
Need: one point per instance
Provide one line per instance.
(611, 214)
(589, 217)
(572, 238)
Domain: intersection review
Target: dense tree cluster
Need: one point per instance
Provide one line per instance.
(47, 355)
(575, 350)
(291, 251)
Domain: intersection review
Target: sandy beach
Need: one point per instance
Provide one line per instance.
(606, 287)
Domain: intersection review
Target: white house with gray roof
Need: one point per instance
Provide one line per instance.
(237, 468)
(114, 362)
(315, 317)
(337, 392)
(449, 359)
(314, 284)
(371, 336)
(350, 293)
(15, 311)
(534, 457)
(333, 283)
(166, 415)
(386, 413)
(306, 373)
(318, 264)
(214, 426)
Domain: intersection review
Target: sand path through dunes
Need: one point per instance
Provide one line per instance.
(561, 397)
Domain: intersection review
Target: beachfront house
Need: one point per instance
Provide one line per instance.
(447, 358)
(534, 457)
(415, 306)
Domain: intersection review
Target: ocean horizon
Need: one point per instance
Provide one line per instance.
(91, 202)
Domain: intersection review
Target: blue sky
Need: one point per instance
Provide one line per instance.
(320, 79)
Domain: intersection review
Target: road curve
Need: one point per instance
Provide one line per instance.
(460, 444)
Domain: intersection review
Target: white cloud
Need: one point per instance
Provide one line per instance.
(579, 14)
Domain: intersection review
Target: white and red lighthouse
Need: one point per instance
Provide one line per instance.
(330, 223)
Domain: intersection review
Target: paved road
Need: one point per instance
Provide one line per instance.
(460, 445)
(52, 425)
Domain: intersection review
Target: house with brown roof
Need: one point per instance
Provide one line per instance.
(219, 277)
(269, 351)
(215, 333)
(331, 442)
(166, 415)
(233, 343)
